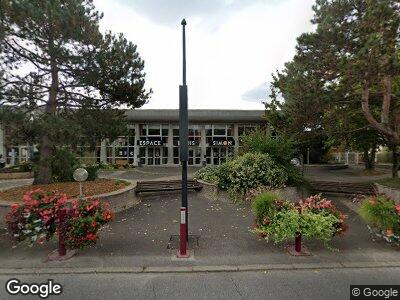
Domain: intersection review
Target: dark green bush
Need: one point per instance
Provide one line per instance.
(92, 172)
(263, 205)
(63, 165)
(244, 173)
(209, 174)
(281, 149)
(26, 167)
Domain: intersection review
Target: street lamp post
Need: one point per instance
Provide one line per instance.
(183, 147)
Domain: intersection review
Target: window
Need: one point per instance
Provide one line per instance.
(219, 130)
(153, 130)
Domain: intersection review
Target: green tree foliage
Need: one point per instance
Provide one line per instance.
(349, 67)
(281, 149)
(57, 65)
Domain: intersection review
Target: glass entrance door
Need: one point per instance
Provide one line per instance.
(153, 156)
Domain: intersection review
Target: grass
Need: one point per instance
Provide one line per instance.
(90, 188)
(390, 182)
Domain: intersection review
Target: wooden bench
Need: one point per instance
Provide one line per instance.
(165, 186)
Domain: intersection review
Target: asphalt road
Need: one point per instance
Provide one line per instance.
(301, 284)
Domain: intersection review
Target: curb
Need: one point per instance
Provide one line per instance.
(201, 269)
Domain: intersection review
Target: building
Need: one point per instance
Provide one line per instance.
(153, 138)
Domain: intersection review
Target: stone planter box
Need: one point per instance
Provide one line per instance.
(388, 191)
(16, 175)
(212, 191)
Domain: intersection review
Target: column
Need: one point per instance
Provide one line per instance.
(113, 153)
(103, 151)
(236, 137)
(136, 147)
(203, 144)
(170, 145)
(2, 148)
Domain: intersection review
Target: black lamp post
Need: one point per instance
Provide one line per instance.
(183, 147)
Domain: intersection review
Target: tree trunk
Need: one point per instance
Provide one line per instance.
(43, 174)
(396, 162)
(366, 159)
(369, 159)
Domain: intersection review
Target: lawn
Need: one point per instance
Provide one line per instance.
(390, 182)
(90, 188)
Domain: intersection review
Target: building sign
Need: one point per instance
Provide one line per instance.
(152, 142)
(222, 142)
(190, 143)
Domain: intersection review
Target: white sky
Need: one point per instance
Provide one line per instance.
(233, 46)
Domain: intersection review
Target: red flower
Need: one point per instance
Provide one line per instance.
(14, 207)
(91, 237)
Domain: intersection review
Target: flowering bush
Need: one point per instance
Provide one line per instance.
(318, 205)
(246, 172)
(87, 217)
(382, 213)
(36, 220)
(280, 220)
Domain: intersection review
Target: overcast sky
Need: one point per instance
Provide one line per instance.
(233, 46)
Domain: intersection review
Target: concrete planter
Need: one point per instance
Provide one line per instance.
(388, 191)
(16, 175)
(119, 200)
(212, 191)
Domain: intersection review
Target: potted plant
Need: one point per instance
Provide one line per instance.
(280, 220)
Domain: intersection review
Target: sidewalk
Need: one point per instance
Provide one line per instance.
(137, 240)
(351, 174)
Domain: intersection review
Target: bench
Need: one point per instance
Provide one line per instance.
(165, 186)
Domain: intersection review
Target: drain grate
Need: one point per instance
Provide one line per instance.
(174, 241)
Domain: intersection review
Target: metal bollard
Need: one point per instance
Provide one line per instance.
(61, 238)
(183, 241)
(297, 242)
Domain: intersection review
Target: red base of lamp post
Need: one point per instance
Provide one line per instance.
(55, 255)
(180, 255)
(298, 249)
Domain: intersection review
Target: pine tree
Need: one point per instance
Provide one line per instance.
(55, 60)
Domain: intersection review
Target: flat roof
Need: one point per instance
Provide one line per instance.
(196, 115)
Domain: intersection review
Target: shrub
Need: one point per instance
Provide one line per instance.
(26, 167)
(36, 220)
(249, 171)
(106, 166)
(92, 171)
(280, 220)
(86, 218)
(281, 149)
(209, 174)
(244, 173)
(63, 165)
(264, 205)
(381, 212)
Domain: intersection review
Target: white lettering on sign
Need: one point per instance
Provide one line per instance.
(222, 143)
(150, 143)
(183, 217)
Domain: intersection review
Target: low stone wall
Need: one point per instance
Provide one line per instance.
(123, 199)
(16, 175)
(119, 200)
(388, 191)
(212, 191)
